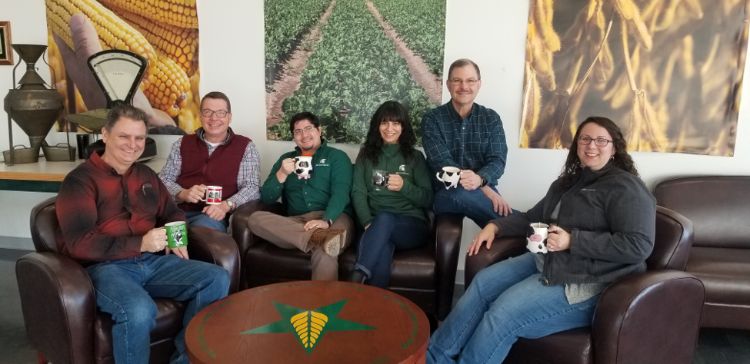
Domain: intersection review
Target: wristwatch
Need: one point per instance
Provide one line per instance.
(230, 204)
(484, 182)
(330, 222)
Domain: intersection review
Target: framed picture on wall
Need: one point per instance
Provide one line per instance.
(6, 52)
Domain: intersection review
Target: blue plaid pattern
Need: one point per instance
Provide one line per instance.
(476, 143)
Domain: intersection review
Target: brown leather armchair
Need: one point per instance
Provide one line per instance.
(650, 317)
(425, 275)
(59, 305)
(719, 207)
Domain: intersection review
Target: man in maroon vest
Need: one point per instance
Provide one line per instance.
(213, 156)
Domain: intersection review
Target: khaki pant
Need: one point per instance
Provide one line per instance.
(288, 232)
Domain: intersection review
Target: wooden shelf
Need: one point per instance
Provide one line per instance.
(45, 176)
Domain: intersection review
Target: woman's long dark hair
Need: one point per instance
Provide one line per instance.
(620, 159)
(388, 111)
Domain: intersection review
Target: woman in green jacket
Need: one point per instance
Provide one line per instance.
(391, 189)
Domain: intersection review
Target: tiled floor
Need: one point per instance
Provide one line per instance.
(715, 346)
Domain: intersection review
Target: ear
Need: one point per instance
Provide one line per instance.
(105, 135)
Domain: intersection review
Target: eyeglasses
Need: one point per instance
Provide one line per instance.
(458, 81)
(600, 142)
(307, 129)
(206, 113)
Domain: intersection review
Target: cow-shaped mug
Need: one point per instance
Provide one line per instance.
(536, 243)
(303, 166)
(449, 176)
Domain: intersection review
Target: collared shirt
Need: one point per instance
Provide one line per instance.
(476, 142)
(326, 190)
(248, 175)
(103, 215)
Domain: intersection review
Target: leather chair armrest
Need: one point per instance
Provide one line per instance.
(238, 223)
(674, 238)
(448, 230)
(59, 306)
(218, 248)
(502, 248)
(651, 317)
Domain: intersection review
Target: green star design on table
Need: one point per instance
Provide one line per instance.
(309, 325)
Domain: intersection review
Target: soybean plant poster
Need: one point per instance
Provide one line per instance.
(669, 73)
(341, 59)
(166, 37)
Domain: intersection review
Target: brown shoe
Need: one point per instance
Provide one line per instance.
(330, 240)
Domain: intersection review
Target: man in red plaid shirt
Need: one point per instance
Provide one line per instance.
(111, 212)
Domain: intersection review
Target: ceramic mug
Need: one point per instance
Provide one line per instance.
(213, 195)
(449, 176)
(380, 179)
(176, 234)
(303, 166)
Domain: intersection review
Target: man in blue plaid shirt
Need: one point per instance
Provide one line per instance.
(469, 136)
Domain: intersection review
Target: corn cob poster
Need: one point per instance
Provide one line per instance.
(341, 59)
(164, 32)
(668, 72)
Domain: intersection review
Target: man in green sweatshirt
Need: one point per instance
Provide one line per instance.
(317, 202)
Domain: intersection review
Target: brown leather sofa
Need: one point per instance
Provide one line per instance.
(58, 301)
(424, 275)
(719, 207)
(651, 317)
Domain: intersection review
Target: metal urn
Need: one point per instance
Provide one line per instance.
(33, 106)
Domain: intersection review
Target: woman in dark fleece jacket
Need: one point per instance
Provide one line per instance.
(391, 189)
(602, 220)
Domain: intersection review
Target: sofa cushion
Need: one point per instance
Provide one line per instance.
(724, 272)
(718, 206)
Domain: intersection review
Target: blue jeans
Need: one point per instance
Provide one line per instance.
(125, 289)
(472, 204)
(387, 233)
(504, 302)
(197, 218)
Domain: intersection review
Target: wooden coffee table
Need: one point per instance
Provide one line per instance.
(309, 322)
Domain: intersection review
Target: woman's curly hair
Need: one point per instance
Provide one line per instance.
(620, 159)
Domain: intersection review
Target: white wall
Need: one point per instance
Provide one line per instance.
(491, 32)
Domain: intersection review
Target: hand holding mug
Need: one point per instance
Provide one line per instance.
(558, 239)
(193, 194)
(287, 166)
(155, 240)
(469, 180)
(395, 182)
(285, 169)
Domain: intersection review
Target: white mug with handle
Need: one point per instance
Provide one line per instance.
(449, 176)
(213, 195)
